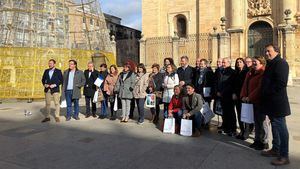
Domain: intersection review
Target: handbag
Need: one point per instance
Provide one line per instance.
(116, 103)
(169, 126)
(207, 113)
(95, 98)
(186, 128)
(100, 95)
(218, 107)
(150, 100)
(247, 113)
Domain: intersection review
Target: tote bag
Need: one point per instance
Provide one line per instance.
(186, 128)
(247, 114)
(207, 113)
(169, 126)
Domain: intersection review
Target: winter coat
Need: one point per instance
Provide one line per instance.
(125, 85)
(78, 83)
(170, 81)
(252, 85)
(141, 85)
(274, 98)
(110, 83)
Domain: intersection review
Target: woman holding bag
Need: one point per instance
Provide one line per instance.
(124, 88)
(251, 94)
(139, 91)
(108, 88)
(170, 81)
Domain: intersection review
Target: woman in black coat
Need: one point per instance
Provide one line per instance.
(241, 71)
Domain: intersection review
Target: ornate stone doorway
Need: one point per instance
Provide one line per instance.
(259, 35)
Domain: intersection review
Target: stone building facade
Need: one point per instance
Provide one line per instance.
(215, 29)
(126, 38)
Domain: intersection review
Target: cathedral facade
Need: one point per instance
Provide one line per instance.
(215, 29)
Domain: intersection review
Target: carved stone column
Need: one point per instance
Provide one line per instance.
(224, 40)
(214, 47)
(237, 15)
(143, 50)
(292, 5)
(289, 46)
(175, 48)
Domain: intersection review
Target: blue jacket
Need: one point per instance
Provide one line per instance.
(56, 79)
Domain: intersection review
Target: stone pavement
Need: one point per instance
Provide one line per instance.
(25, 143)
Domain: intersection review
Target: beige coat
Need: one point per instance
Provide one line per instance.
(109, 84)
(141, 84)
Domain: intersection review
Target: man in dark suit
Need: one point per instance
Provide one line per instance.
(275, 104)
(204, 80)
(89, 89)
(52, 79)
(224, 91)
(185, 73)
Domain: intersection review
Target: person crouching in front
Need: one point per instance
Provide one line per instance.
(192, 104)
(174, 109)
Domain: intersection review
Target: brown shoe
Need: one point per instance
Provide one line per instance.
(196, 134)
(280, 161)
(46, 120)
(57, 119)
(270, 153)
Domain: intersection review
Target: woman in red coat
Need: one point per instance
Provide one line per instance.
(175, 106)
(250, 93)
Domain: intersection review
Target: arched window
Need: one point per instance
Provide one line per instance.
(181, 26)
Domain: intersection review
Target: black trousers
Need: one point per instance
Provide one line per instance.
(132, 107)
(88, 101)
(156, 110)
(229, 118)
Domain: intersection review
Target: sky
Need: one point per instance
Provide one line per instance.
(128, 10)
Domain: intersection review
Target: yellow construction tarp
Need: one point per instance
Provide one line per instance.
(21, 69)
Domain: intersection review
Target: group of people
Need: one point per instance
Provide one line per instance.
(260, 80)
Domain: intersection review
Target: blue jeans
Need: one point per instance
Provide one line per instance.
(69, 100)
(197, 121)
(280, 136)
(103, 109)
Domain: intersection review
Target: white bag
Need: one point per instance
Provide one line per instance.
(63, 104)
(150, 100)
(207, 113)
(247, 114)
(95, 99)
(206, 91)
(169, 126)
(186, 128)
(116, 103)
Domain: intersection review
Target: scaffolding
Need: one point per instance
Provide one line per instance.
(34, 31)
(53, 23)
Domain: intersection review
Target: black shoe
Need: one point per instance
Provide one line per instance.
(253, 145)
(231, 134)
(46, 120)
(220, 131)
(101, 117)
(94, 115)
(261, 146)
(112, 118)
(87, 116)
(76, 118)
(220, 127)
(68, 118)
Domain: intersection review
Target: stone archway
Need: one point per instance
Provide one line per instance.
(260, 34)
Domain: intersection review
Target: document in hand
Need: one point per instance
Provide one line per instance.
(98, 82)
